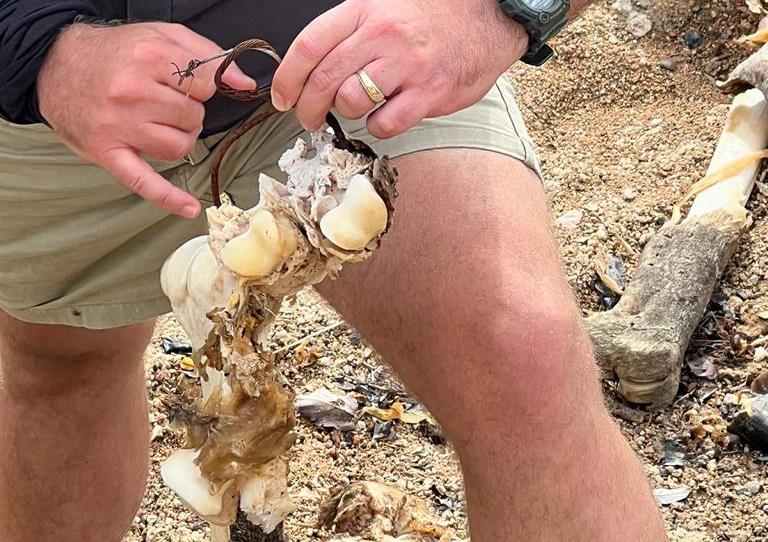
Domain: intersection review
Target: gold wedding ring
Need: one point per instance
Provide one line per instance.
(371, 89)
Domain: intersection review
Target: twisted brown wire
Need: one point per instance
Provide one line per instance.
(245, 95)
(242, 96)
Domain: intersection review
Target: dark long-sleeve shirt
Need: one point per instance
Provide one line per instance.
(28, 28)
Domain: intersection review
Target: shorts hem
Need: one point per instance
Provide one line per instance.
(101, 316)
(457, 138)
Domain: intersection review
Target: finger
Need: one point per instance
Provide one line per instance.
(323, 84)
(187, 116)
(134, 173)
(162, 142)
(312, 44)
(164, 105)
(353, 102)
(198, 86)
(398, 115)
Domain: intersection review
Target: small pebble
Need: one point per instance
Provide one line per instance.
(692, 39)
(753, 487)
(570, 219)
(624, 7)
(760, 354)
(157, 432)
(639, 24)
(669, 64)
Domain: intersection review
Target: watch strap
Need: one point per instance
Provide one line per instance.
(538, 57)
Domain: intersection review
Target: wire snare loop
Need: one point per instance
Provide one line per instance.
(259, 93)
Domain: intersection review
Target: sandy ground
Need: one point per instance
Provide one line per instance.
(620, 137)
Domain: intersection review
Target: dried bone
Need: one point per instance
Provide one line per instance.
(225, 289)
(370, 511)
(752, 73)
(643, 339)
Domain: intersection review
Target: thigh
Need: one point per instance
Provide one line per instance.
(471, 230)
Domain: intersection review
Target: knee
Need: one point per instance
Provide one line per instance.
(39, 360)
(539, 353)
(522, 370)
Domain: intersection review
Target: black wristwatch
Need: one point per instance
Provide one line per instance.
(542, 19)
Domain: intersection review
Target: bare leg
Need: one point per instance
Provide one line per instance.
(468, 302)
(73, 422)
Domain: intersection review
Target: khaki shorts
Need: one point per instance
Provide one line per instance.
(77, 248)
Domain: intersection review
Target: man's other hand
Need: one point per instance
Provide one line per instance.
(110, 94)
(428, 57)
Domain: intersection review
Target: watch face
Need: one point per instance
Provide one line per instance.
(543, 5)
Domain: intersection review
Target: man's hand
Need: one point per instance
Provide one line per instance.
(110, 94)
(429, 57)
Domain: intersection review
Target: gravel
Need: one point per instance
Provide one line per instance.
(622, 131)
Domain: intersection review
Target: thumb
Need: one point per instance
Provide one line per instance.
(134, 173)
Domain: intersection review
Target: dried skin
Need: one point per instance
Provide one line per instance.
(247, 433)
(240, 328)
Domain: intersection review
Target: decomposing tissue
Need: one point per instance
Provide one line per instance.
(226, 288)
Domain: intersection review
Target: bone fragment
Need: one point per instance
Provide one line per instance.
(643, 339)
(184, 477)
(258, 251)
(751, 73)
